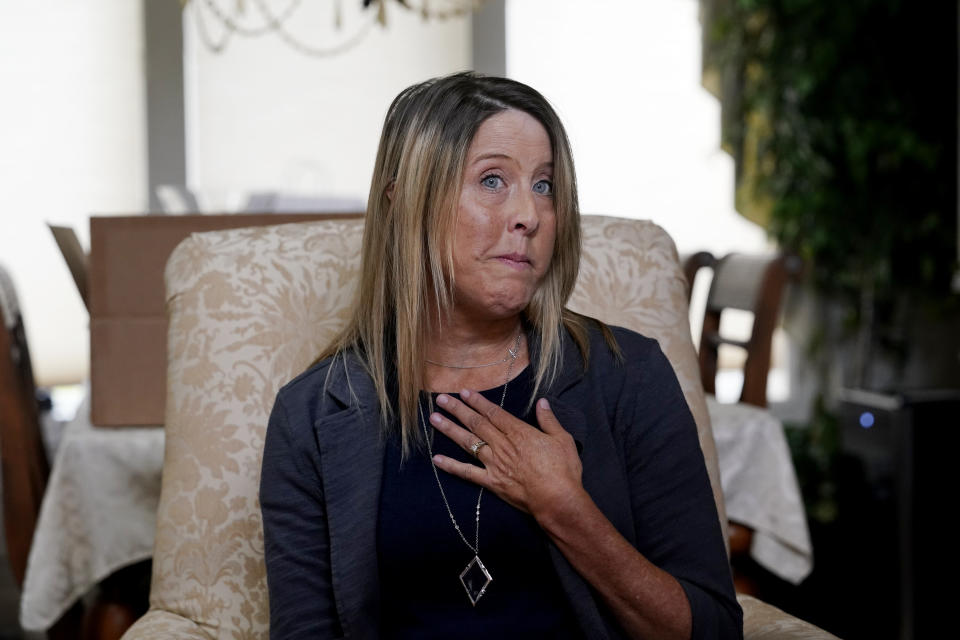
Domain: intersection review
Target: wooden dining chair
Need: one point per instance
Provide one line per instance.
(25, 469)
(692, 263)
(23, 459)
(752, 283)
(749, 283)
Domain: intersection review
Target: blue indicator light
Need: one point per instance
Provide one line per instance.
(866, 419)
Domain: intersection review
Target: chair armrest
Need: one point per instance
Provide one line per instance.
(762, 621)
(165, 624)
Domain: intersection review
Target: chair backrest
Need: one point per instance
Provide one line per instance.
(248, 310)
(692, 263)
(749, 283)
(22, 455)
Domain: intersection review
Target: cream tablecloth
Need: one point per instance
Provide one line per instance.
(99, 512)
(760, 487)
(98, 515)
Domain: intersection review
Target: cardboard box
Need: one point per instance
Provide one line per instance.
(128, 325)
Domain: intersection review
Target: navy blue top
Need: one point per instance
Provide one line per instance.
(421, 556)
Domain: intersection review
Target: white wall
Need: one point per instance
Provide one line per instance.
(71, 143)
(625, 78)
(261, 116)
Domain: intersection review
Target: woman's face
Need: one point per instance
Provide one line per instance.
(506, 221)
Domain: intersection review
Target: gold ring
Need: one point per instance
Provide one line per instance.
(475, 447)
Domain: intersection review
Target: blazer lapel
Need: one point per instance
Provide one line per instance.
(351, 456)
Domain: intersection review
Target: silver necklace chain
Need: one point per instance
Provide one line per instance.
(511, 355)
(475, 547)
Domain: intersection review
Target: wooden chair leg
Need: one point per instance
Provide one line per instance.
(741, 537)
(120, 600)
(108, 620)
(69, 626)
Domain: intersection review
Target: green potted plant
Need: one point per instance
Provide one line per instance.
(842, 119)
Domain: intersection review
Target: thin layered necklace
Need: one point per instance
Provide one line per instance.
(511, 356)
(475, 577)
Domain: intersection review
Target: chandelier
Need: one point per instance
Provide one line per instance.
(350, 21)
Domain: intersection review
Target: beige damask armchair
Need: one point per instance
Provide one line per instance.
(248, 310)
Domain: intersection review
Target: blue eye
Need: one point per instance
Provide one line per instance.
(543, 187)
(492, 181)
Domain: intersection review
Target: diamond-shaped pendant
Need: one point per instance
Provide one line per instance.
(475, 579)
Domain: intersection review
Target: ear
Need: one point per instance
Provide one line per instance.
(389, 191)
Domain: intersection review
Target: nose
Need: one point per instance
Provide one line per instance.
(525, 217)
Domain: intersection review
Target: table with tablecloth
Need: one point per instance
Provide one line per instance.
(98, 515)
(760, 487)
(99, 511)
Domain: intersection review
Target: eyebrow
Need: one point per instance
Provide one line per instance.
(489, 156)
(504, 156)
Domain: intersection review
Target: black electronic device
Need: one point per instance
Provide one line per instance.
(896, 499)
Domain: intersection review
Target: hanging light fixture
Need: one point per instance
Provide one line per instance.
(350, 23)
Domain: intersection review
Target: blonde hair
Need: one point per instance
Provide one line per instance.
(411, 215)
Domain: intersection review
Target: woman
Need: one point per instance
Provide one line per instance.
(568, 499)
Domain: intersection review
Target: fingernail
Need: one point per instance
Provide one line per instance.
(442, 400)
(465, 393)
(543, 404)
(435, 418)
(438, 459)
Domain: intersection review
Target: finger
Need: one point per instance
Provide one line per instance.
(469, 472)
(496, 415)
(463, 438)
(547, 420)
(469, 418)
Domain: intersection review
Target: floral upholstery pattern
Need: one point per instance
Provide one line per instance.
(764, 622)
(251, 308)
(248, 310)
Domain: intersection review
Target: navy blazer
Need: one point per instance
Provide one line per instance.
(642, 465)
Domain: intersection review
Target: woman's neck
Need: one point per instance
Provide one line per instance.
(470, 344)
(476, 355)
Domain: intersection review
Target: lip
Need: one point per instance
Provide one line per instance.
(515, 260)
